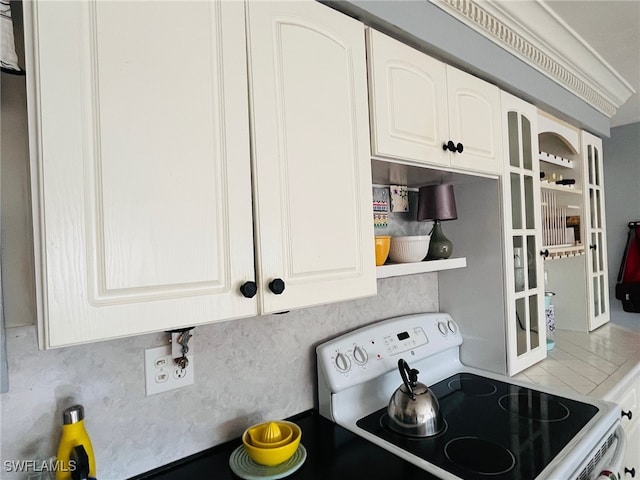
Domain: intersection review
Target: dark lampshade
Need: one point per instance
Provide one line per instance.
(436, 202)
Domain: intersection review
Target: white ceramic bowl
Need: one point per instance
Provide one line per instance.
(409, 249)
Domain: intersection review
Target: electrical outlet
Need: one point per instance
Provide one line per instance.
(162, 373)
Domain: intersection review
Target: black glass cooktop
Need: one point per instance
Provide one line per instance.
(493, 429)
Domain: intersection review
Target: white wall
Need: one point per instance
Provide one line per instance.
(622, 205)
(15, 198)
(16, 244)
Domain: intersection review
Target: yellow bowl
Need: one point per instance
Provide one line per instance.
(257, 435)
(383, 243)
(274, 455)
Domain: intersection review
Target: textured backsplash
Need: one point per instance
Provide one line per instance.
(246, 371)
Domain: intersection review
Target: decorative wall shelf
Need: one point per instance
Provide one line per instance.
(399, 269)
(555, 159)
(560, 188)
(557, 252)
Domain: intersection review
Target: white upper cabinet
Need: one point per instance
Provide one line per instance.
(142, 173)
(408, 101)
(425, 111)
(474, 122)
(140, 164)
(312, 170)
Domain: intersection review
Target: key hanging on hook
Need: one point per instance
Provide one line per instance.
(180, 346)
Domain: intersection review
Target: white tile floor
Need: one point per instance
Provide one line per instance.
(581, 362)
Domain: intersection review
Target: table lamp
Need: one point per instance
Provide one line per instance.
(437, 203)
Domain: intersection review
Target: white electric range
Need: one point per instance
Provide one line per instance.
(496, 427)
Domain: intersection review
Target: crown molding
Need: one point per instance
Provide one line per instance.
(531, 31)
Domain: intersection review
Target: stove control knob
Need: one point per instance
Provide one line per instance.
(443, 328)
(343, 364)
(452, 326)
(360, 355)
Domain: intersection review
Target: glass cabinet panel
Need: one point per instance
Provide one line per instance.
(596, 167)
(519, 264)
(596, 233)
(527, 333)
(596, 296)
(592, 204)
(525, 295)
(594, 255)
(532, 264)
(603, 287)
(534, 335)
(521, 326)
(590, 165)
(516, 201)
(527, 157)
(530, 206)
(514, 150)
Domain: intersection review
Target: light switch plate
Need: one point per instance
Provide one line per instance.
(162, 373)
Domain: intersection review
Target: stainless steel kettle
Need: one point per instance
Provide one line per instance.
(413, 408)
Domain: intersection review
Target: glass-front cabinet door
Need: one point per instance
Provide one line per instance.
(595, 234)
(526, 330)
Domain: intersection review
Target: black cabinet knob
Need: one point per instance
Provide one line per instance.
(449, 146)
(276, 286)
(452, 147)
(544, 253)
(593, 247)
(628, 414)
(249, 289)
(631, 472)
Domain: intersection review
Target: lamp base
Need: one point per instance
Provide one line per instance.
(440, 247)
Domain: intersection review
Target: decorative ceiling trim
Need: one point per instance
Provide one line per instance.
(536, 35)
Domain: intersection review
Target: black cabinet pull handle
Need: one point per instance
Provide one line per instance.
(628, 414)
(593, 247)
(276, 286)
(632, 472)
(544, 253)
(452, 147)
(449, 146)
(249, 289)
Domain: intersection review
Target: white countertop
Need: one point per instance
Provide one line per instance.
(595, 364)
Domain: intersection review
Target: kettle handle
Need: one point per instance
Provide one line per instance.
(409, 382)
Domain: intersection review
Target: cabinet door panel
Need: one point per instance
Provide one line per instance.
(526, 329)
(144, 169)
(474, 121)
(408, 102)
(155, 178)
(311, 154)
(597, 271)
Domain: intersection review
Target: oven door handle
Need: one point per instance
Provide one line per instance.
(612, 467)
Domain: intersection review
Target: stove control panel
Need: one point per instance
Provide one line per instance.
(374, 350)
(406, 340)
